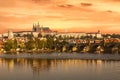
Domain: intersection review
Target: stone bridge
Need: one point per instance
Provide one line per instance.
(91, 48)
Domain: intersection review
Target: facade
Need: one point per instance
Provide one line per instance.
(22, 33)
(10, 34)
(79, 34)
(71, 34)
(1, 35)
(96, 34)
(37, 28)
(40, 28)
(35, 34)
(1, 45)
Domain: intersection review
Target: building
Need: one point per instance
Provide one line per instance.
(1, 46)
(10, 34)
(95, 34)
(35, 34)
(98, 34)
(40, 28)
(22, 33)
(71, 34)
(1, 35)
(43, 30)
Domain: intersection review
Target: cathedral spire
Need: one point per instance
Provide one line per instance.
(38, 25)
(10, 34)
(99, 31)
(33, 27)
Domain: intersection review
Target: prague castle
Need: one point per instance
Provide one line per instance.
(40, 28)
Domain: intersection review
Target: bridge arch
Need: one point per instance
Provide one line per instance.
(112, 48)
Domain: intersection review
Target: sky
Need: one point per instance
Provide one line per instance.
(61, 15)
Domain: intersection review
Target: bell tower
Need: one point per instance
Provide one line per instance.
(10, 34)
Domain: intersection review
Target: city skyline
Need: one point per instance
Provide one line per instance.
(61, 15)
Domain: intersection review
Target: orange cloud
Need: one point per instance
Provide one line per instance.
(76, 15)
(86, 4)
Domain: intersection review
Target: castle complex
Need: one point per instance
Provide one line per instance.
(46, 30)
(40, 28)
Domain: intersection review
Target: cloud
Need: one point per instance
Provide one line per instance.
(113, 0)
(48, 2)
(109, 11)
(41, 1)
(86, 4)
(66, 6)
(8, 3)
(59, 13)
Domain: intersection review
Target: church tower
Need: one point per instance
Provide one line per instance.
(38, 27)
(98, 32)
(42, 32)
(10, 34)
(34, 29)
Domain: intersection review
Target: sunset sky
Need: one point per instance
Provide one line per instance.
(61, 15)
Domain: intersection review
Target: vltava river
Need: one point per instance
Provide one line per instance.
(47, 69)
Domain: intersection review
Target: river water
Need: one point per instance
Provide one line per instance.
(60, 69)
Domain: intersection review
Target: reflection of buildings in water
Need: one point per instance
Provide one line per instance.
(7, 62)
(11, 65)
(96, 65)
(54, 63)
(0, 61)
(99, 62)
(99, 65)
(24, 63)
(46, 65)
(70, 63)
(91, 64)
(39, 65)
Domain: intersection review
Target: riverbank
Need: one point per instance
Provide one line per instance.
(64, 56)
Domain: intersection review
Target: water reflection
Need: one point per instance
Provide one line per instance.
(38, 65)
(59, 67)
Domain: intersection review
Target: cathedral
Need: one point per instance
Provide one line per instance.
(40, 28)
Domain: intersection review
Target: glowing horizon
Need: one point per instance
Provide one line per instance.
(70, 15)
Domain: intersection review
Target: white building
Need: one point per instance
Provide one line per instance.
(71, 34)
(1, 35)
(35, 34)
(96, 34)
(10, 34)
(5, 34)
(22, 33)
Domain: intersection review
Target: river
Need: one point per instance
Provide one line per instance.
(58, 69)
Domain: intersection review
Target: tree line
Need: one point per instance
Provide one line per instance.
(59, 44)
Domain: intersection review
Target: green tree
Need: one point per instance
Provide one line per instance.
(15, 44)
(42, 44)
(22, 45)
(30, 45)
(8, 45)
(50, 42)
